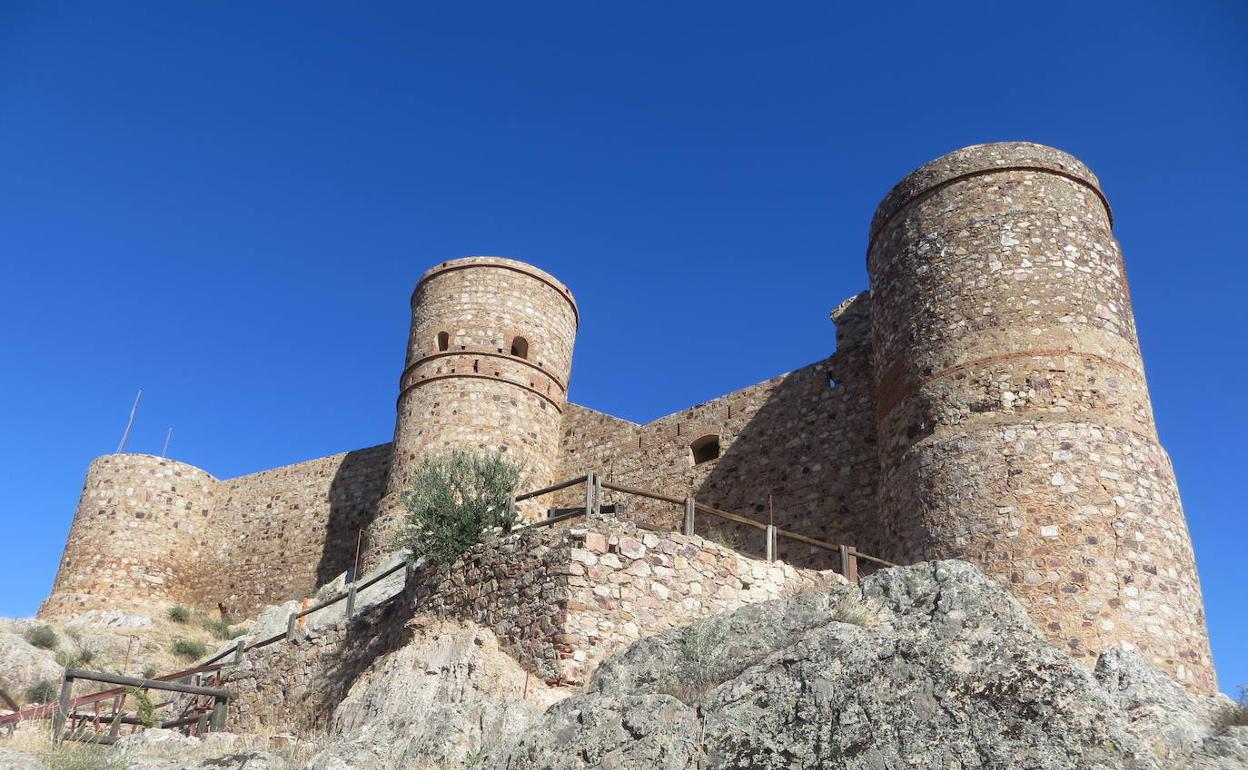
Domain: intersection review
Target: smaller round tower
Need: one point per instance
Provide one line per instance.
(488, 361)
(141, 524)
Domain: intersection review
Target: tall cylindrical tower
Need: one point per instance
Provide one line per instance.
(488, 361)
(137, 536)
(1015, 427)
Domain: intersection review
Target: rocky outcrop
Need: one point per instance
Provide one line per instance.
(22, 666)
(444, 699)
(928, 666)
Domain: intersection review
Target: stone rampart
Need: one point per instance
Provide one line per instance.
(558, 600)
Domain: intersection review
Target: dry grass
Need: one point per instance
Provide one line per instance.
(853, 609)
(1236, 714)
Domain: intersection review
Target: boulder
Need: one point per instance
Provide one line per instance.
(11, 759)
(22, 666)
(440, 701)
(927, 666)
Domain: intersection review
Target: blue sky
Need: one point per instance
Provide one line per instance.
(228, 205)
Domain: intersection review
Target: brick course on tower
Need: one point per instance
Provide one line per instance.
(986, 401)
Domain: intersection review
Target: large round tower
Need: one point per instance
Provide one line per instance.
(137, 536)
(488, 360)
(1015, 427)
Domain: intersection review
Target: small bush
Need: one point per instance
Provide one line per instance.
(1235, 714)
(853, 609)
(150, 672)
(696, 671)
(43, 637)
(188, 650)
(144, 709)
(220, 629)
(457, 500)
(178, 614)
(43, 691)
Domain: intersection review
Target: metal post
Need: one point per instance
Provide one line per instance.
(290, 627)
(62, 708)
(687, 527)
(849, 563)
(771, 542)
(590, 484)
(129, 423)
(168, 435)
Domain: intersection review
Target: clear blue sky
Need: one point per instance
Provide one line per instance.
(228, 204)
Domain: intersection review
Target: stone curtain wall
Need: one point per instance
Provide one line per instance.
(139, 535)
(151, 531)
(1014, 419)
(286, 531)
(559, 602)
(806, 439)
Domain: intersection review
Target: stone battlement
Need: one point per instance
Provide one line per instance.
(986, 401)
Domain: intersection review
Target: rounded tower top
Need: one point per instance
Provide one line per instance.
(504, 263)
(983, 159)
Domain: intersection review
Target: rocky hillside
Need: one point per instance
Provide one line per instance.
(927, 666)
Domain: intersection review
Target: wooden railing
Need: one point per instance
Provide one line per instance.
(103, 725)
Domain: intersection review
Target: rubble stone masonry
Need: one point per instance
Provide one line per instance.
(986, 400)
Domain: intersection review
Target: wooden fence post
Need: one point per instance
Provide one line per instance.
(771, 542)
(686, 528)
(849, 563)
(597, 495)
(591, 483)
(290, 627)
(62, 708)
(351, 601)
(218, 715)
(238, 651)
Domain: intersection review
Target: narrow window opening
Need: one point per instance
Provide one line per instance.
(705, 449)
(444, 341)
(520, 347)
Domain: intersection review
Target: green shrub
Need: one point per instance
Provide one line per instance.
(150, 672)
(220, 629)
(43, 691)
(43, 637)
(144, 709)
(188, 650)
(457, 500)
(178, 614)
(852, 608)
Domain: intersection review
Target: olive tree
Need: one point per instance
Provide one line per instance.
(456, 500)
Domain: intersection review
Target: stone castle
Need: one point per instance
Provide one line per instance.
(986, 401)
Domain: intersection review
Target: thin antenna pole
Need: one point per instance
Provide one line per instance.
(168, 434)
(130, 423)
(771, 512)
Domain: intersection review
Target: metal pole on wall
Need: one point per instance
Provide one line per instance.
(129, 423)
(168, 434)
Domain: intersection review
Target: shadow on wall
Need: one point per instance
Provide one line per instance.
(354, 494)
(810, 446)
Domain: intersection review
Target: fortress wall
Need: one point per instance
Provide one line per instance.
(805, 438)
(1015, 427)
(281, 533)
(139, 535)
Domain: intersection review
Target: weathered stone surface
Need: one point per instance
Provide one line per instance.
(941, 668)
(11, 759)
(23, 665)
(447, 696)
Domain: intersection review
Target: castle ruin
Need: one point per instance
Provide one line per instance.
(986, 401)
